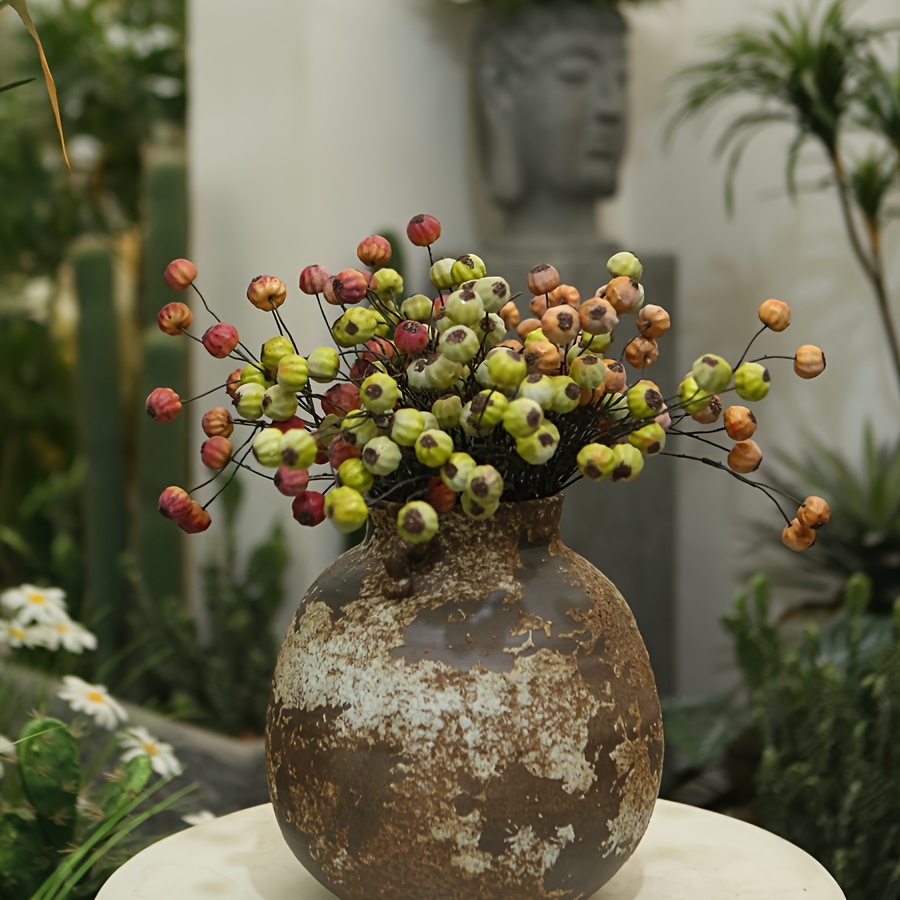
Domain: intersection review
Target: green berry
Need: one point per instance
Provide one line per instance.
(691, 397)
(712, 373)
(625, 263)
(447, 410)
(464, 307)
(292, 372)
(493, 292)
(406, 425)
(356, 326)
(298, 449)
(522, 417)
(279, 403)
(455, 472)
(323, 363)
(442, 372)
(387, 284)
(254, 375)
(433, 447)
(358, 428)
(588, 370)
(417, 522)
(506, 368)
(274, 350)
(751, 381)
(467, 268)
(537, 448)
(459, 343)
(487, 408)
(353, 473)
(417, 308)
(346, 508)
(490, 330)
(628, 462)
(484, 484)
(538, 388)
(644, 400)
(476, 509)
(650, 439)
(566, 394)
(267, 448)
(615, 407)
(381, 455)
(596, 343)
(248, 400)
(379, 393)
(534, 336)
(441, 275)
(596, 461)
(429, 420)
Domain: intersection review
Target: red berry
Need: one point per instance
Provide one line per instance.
(291, 482)
(309, 508)
(216, 452)
(423, 230)
(374, 251)
(197, 519)
(175, 503)
(217, 421)
(340, 451)
(180, 274)
(163, 404)
(313, 279)
(174, 317)
(439, 496)
(339, 399)
(288, 424)
(220, 339)
(411, 337)
(348, 286)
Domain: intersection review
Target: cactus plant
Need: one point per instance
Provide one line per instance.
(103, 443)
(51, 776)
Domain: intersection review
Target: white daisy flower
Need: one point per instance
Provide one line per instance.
(73, 636)
(94, 700)
(137, 741)
(15, 634)
(7, 751)
(43, 606)
(198, 818)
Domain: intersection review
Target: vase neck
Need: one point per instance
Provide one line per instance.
(531, 521)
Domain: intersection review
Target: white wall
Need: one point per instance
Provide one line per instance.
(315, 122)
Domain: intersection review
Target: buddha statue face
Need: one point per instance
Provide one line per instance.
(552, 86)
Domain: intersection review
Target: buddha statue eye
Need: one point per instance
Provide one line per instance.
(575, 68)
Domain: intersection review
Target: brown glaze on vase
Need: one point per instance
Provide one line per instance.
(468, 719)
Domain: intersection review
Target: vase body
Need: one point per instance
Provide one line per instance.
(471, 718)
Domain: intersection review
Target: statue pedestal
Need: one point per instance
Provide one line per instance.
(626, 530)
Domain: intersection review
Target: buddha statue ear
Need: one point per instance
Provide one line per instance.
(497, 139)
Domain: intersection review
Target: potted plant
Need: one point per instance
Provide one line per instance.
(461, 670)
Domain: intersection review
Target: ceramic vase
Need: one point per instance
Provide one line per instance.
(471, 718)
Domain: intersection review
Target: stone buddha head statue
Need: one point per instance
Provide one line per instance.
(551, 85)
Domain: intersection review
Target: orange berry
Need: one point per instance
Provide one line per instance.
(797, 536)
(652, 321)
(775, 315)
(745, 457)
(266, 292)
(641, 352)
(740, 423)
(560, 324)
(542, 279)
(814, 513)
(809, 361)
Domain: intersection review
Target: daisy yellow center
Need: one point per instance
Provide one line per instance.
(149, 749)
(62, 628)
(36, 598)
(96, 697)
(17, 632)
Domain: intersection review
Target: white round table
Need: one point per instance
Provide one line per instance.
(686, 854)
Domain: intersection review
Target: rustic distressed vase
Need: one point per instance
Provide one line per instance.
(471, 718)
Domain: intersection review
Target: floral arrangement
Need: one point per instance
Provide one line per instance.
(432, 402)
(62, 823)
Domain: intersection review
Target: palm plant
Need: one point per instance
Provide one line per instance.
(821, 74)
